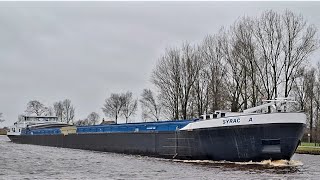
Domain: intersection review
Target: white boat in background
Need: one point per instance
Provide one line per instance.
(32, 122)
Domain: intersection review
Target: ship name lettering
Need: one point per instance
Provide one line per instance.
(231, 121)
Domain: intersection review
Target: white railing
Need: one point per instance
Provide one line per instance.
(278, 104)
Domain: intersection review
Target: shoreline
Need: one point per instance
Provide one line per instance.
(313, 150)
(3, 131)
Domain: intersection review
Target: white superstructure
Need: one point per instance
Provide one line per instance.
(32, 122)
(279, 114)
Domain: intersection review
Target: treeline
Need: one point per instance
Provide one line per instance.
(124, 105)
(254, 59)
(64, 110)
(118, 105)
(306, 90)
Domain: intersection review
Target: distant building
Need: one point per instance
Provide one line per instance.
(107, 122)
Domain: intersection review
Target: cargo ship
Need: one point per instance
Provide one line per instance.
(268, 131)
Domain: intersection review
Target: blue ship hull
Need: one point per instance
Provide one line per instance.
(231, 143)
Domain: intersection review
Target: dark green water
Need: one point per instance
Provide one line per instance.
(18, 161)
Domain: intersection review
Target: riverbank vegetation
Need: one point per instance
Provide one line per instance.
(256, 58)
(120, 105)
(309, 148)
(64, 110)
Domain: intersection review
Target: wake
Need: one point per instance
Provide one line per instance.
(266, 163)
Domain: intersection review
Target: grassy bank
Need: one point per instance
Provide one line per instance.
(308, 148)
(3, 132)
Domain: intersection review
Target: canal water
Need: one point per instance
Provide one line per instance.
(19, 161)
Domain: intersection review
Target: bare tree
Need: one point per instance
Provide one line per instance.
(200, 94)
(68, 110)
(82, 122)
(48, 111)
(234, 74)
(59, 110)
(210, 85)
(151, 109)
(299, 41)
(113, 106)
(64, 110)
(166, 77)
(255, 58)
(93, 118)
(244, 52)
(1, 118)
(317, 106)
(310, 95)
(316, 121)
(269, 37)
(299, 88)
(129, 105)
(35, 107)
(175, 75)
(190, 67)
(306, 89)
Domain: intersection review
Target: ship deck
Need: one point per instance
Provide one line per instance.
(114, 128)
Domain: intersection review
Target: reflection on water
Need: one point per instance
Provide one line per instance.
(18, 161)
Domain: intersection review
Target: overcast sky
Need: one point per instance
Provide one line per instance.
(84, 51)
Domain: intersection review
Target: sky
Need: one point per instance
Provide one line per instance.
(84, 51)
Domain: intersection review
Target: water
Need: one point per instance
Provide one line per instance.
(18, 161)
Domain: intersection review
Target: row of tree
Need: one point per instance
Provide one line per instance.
(64, 110)
(254, 59)
(116, 106)
(120, 105)
(92, 119)
(124, 105)
(306, 90)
